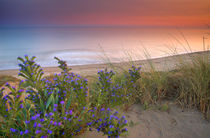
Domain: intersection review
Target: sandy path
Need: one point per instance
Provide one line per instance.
(153, 123)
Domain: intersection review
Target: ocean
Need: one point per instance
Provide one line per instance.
(93, 45)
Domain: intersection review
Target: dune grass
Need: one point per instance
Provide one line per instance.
(195, 84)
(7, 78)
(187, 84)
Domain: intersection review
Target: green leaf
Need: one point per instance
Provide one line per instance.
(50, 100)
(41, 105)
(33, 58)
(23, 75)
(45, 92)
(26, 57)
(56, 99)
(21, 59)
(68, 103)
(24, 113)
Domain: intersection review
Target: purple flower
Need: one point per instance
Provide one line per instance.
(49, 131)
(51, 122)
(59, 123)
(21, 105)
(21, 90)
(42, 120)
(33, 118)
(70, 112)
(27, 122)
(39, 125)
(62, 102)
(55, 123)
(26, 131)
(21, 132)
(13, 130)
(38, 115)
(35, 124)
(50, 114)
(38, 131)
(111, 126)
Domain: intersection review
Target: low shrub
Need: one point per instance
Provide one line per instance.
(113, 90)
(59, 107)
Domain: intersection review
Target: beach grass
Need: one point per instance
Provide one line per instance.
(7, 78)
(187, 83)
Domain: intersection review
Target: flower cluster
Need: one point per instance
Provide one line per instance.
(44, 107)
(134, 73)
(108, 122)
(114, 92)
(105, 85)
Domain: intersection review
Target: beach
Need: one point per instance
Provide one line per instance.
(160, 64)
(98, 69)
(175, 122)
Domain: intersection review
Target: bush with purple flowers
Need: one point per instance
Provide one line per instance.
(134, 74)
(41, 107)
(112, 91)
(108, 122)
(131, 82)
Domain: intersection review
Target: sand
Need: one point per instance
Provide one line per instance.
(153, 123)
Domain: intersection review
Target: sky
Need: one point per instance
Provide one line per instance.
(106, 12)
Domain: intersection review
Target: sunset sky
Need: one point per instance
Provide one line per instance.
(105, 12)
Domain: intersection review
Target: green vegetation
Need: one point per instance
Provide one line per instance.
(63, 105)
(5, 78)
(188, 84)
(67, 104)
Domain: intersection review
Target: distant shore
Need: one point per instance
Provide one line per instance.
(161, 64)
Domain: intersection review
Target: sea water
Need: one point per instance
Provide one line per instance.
(93, 45)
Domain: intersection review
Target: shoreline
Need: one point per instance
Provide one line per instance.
(161, 64)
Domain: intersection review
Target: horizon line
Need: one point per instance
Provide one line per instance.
(95, 26)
